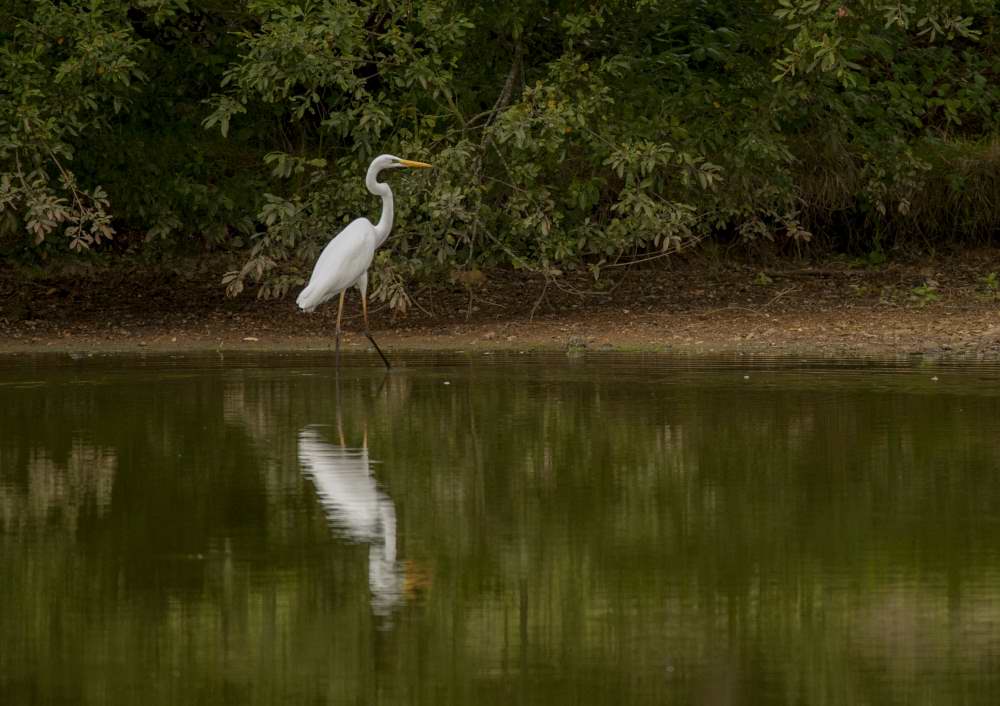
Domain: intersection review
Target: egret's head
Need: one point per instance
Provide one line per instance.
(388, 161)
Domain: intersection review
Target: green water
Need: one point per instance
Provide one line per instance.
(498, 530)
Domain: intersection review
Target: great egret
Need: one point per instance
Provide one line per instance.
(345, 260)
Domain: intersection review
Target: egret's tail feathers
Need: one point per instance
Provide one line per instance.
(306, 299)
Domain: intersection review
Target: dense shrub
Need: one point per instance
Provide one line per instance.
(564, 134)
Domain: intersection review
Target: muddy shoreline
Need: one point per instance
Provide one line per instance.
(947, 307)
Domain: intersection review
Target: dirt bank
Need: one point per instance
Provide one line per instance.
(948, 305)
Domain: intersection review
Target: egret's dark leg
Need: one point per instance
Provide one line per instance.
(340, 416)
(340, 313)
(385, 377)
(364, 309)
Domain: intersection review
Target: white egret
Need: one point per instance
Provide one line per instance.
(345, 260)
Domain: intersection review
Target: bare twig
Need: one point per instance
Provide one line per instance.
(570, 289)
(759, 311)
(734, 308)
(508, 89)
(531, 316)
(779, 296)
(811, 273)
(657, 256)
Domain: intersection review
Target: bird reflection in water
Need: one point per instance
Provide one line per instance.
(359, 511)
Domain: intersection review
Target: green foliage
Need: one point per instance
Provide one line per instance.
(563, 134)
(762, 279)
(926, 293)
(991, 285)
(65, 70)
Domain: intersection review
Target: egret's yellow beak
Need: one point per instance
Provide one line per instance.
(415, 165)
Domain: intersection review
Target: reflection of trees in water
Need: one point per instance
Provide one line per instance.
(54, 494)
(693, 520)
(639, 539)
(914, 630)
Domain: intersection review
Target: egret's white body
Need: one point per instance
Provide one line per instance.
(345, 260)
(356, 509)
(343, 264)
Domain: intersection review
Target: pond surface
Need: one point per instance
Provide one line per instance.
(498, 530)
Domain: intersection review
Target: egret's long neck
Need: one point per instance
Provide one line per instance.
(382, 189)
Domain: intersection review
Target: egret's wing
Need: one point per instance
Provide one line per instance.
(342, 262)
